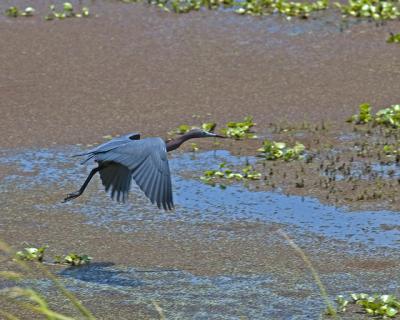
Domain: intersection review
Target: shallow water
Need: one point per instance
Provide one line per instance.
(182, 294)
(197, 202)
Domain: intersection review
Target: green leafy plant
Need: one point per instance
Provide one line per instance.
(390, 149)
(250, 7)
(67, 12)
(393, 38)
(12, 12)
(28, 12)
(73, 259)
(31, 254)
(239, 130)
(364, 115)
(209, 126)
(373, 9)
(272, 150)
(28, 299)
(182, 129)
(15, 12)
(194, 147)
(389, 116)
(381, 306)
(228, 173)
(342, 303)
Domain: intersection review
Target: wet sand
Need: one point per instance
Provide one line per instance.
(134, 68)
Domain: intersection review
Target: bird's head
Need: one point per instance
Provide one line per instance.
(200, 133)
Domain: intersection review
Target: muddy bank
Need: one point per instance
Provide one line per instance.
(133, 68)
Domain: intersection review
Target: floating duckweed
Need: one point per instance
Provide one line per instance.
(184, 128)
(272, 150)
(194, 147)
(225, 172)
(12, 12)
(291, 9)
(364, 115)
(73, 259)
(68, 12)
(389, 117)
(28, 12)
(15, 12)
(393, 38)
(381, 306)
(31, 254)
(68, 7)
(390, 150)
(251, 7)
(239, 130)
(208, 126)
(375, 9)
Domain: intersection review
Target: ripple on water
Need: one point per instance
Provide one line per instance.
(181, 293)
(195, 202)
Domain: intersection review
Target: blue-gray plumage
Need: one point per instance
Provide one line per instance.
(126, 157)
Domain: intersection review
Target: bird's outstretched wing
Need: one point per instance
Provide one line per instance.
(143, 160)
(110, 145)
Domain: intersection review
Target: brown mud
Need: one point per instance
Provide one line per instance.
(136, 68)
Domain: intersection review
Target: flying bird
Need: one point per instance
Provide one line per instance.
(128, 157)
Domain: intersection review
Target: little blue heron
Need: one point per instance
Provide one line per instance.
(126, 157)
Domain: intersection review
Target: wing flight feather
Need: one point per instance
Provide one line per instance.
(143, 160)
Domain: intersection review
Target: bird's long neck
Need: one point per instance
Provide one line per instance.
(176, 143)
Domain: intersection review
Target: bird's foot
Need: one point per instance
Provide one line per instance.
(71, 196)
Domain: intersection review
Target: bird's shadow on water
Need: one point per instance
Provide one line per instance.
(102, 273)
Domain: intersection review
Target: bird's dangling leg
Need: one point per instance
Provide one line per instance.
(76, 194)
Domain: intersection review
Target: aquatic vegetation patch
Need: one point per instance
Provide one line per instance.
(372, 9)
(181, 129)
(390, 149)
(251, 7)
(31, 254)
(37, 254)
(393, 38)
(194, 147)
(16, 12)
(184, 128)
(272, 150)
(73, 259)
(209, 126)
(240, 130)
(364, 115)
(67, 12)
(389, 117)
(286, 8)
(227, 173)
(28, 299)
(377, 306)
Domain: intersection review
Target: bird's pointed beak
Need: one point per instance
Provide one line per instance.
(212, 134)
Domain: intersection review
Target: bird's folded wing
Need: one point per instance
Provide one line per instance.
(144, 160)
